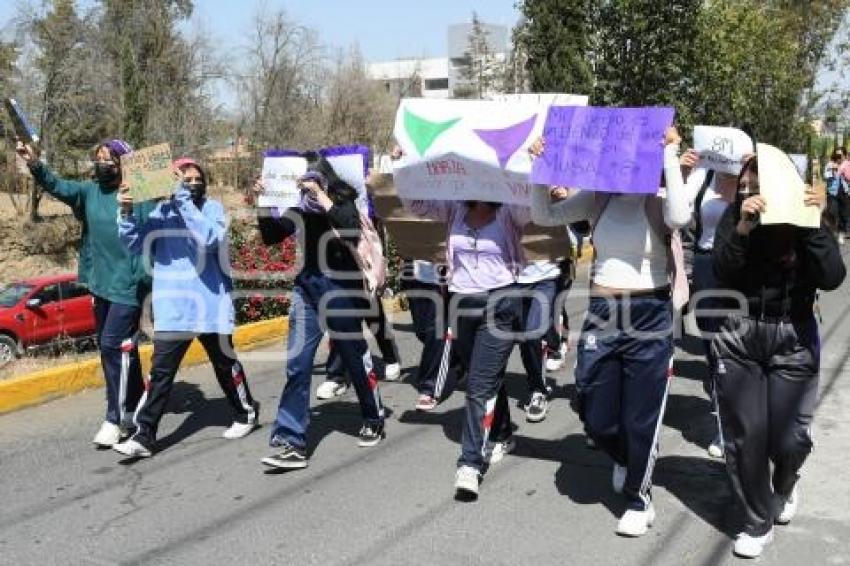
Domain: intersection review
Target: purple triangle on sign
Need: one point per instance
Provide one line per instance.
(506, 141)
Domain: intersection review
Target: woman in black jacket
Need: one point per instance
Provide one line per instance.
(327, 295)
(768, 357)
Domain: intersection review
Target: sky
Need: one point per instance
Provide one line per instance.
(383, 29)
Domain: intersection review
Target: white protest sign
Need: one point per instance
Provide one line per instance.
(783, 190)
(801, 162)
(466, 149)
(280, 176)
(350, 168)
(722, 149)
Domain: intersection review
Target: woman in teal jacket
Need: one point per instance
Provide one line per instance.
(115, 278)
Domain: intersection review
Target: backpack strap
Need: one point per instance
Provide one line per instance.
(709, 177)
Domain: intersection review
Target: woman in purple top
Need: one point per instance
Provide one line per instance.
(484, 258)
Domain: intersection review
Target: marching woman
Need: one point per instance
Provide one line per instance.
(626, 345)
(484, 258)
(328, 223)
(711, 192)
(186, 237)
(115, 278)
(768, 359)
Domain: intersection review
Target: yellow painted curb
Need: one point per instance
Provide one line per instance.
(41, 386)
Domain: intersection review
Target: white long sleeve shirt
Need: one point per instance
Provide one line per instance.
(629, 254)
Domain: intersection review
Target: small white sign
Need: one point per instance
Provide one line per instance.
(280, 178)
(722, 149)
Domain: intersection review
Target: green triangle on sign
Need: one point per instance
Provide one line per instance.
(423, 132)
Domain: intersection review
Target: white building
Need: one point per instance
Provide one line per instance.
(437, 77)
(428, 78)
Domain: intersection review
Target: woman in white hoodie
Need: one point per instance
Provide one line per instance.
(626, 347)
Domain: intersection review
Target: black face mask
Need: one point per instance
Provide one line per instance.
(106, 174)
(197, 190)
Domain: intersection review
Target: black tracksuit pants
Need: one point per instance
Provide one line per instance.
(767, 382)
(168, 351)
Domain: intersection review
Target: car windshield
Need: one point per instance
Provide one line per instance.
(12, 293)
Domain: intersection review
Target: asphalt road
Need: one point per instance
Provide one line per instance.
(206, 500)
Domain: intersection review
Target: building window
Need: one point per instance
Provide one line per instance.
(437, 84)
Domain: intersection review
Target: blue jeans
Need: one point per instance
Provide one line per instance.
(307, 325)
(623, 380)
(117, 328)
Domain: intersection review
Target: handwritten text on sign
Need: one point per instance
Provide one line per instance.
(604, 149)
(722, 149)
(148, 172)
(455, 177)
(280, 180)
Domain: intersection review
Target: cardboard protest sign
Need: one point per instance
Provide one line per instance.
(414, 237)
(550, 243)
(722, 149)
(466, 149)
(801, 162)
(783, 190)
(281, 171)
(350, 163)
(604, 149)
(148, 172)
(422, 238)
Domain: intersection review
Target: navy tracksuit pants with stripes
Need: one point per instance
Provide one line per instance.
(622, 378)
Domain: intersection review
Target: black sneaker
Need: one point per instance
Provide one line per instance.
(371, 434)
(537, 408)
(289, 458)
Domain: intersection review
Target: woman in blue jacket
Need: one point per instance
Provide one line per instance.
(186, 237)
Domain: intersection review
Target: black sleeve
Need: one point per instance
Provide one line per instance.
(275, 229)
(345, 216)
(824, 264)
(730, 249)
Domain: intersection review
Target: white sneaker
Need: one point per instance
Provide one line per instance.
(240, 430)
(747, 546)
(554, 364)
(787, 506)
(132, 449)
(392, 372)
(618, 477)
(500, 449)
(330, 389)
(841, 238)
(466, 481)
(715, 449)
(108, 435)
(636, 523)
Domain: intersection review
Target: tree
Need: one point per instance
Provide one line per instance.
(357, 109)
(482, 70)
(555, 39)
(281, 83)
(149, 60)
(643, 53)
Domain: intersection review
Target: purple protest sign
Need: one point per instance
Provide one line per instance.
(617, 150)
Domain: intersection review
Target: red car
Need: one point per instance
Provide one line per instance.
(40, 310)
